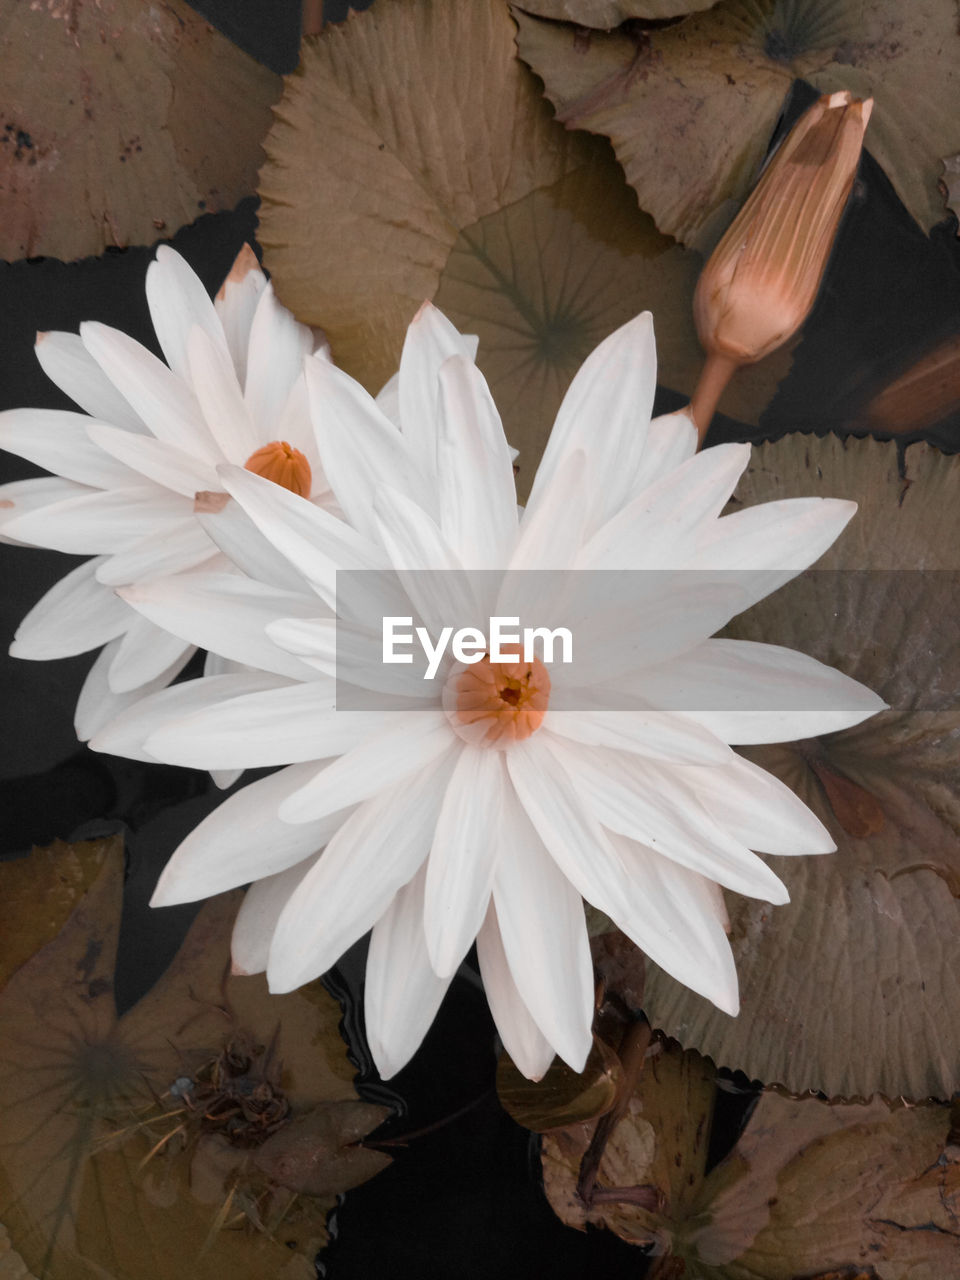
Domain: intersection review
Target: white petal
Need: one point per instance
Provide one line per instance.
(221, 400)
(275, 355)
(165, 402)
(353, 657)
(544, 935)
(387, 400)
(478, 495)
(671, 439)
(657, 807)
(360, 448)
(98, 521)
(430, 340)
(278, 726)
(522, 1038)
(552, 532)
(163, 463)
(236, 303)
(126, 734)
(178, 301)
(659, 735)
(180, 547)
(21, 497)
(401, 991)
(375, 852)
(224, 612)
(675, 917)
(758, 809)
(463, 857)
(413, 741)
(98, 704)
(605, 415)
(75, 615)
(243, 840)
(242, 542)
(748, 692)
(258, 915)
(57, 440)
(145, 652)
(67, 362)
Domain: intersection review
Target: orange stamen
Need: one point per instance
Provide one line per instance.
(284, 465)
(492, 704)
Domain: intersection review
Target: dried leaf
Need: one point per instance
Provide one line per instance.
(563, 1097)
(320, 1154)
(96, 1177)
(606, 14)
(690, 108)
(852, 988)
(453, 183)
(121, 122)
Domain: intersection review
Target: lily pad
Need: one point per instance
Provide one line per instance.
(690, 108)
(128, 1145)
(811, 1188)
(453, 183)
(951, 184)
(121, 122)
(606, 14)
(852, 988)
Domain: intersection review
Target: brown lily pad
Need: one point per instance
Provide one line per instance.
(128, 1144)
(690, 108)
(522, 233)
(852, 988)
(606, 14)
(120, 123)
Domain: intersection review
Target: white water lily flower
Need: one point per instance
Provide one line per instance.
(492, 809)
(136, 480)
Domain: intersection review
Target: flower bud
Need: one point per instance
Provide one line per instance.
(761, 281)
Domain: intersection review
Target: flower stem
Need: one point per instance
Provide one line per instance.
(714, 376)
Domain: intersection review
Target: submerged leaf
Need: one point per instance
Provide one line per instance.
(852, 988)
(690, 108)
(454, 184)
(121, 122)
(126, 1143)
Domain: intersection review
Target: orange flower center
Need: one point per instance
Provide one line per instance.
(491, 704)
(284, 465)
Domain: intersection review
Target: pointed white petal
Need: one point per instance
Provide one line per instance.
(375, 852)
(430, 340)
(145, 652)
(221, 401)
(361, 449)
(236, 303)
(463, 857)
(790, 534)
(522, 1038)
(178, 301)
(75, 615)
(605, 415)
(98, 704)
(180, 547)
(671, 439)
(243, 840)
(746, 692)
(552, 532)
(165, 402)
(57, 440)
(413, 741)
(275, 355)
(127, 732)
(387, 400)
(258, 915)
(659, 735)
(227, 613)
(66, 361)
(544, 937)
(478, 495)
(98, 521)
(278, 726)
(164, 464)
(21, 497)
(242, 542)
(401, 991)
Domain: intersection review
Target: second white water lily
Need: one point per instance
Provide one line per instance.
(502, 797)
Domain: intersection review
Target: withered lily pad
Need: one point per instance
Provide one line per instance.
(453, 183)
(606, 14)
(121, 121)
(129, 1145)
(690, 108)
(811, 1188)
(854, 987)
